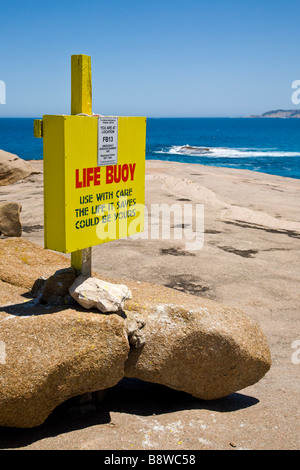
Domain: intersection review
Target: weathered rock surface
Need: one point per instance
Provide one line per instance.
(208, 352)
(91, 292)
(10, 223)
(47, 359)
(168, 337)
(13, 168)
(23, 262)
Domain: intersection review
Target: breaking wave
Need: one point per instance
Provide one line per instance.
(223, 152)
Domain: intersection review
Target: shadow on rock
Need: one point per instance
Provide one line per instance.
(134, 396)
(34, 307)
(130, 396)
(62, 420)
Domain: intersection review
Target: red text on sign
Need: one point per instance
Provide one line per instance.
(117, 173)
(86, 177)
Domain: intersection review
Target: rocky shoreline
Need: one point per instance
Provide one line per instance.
(248, 262)
(279, 113)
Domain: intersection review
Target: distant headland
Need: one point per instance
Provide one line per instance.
(279, 113)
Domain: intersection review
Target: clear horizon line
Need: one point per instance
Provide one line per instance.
(150, 117)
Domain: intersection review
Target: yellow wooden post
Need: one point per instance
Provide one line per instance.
(81, 103)
(81, 84)
(38, 128)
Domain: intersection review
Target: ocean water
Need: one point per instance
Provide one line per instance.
(266, 145)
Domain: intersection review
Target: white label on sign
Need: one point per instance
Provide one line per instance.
(107, 141)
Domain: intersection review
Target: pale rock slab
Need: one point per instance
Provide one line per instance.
(93, 292)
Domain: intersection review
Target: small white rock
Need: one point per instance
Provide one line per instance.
(91, 292)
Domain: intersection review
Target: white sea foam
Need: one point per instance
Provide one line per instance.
(223, 152)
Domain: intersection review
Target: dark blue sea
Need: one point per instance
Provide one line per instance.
(266, 145)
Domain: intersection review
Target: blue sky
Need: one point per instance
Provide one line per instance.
(184, 58)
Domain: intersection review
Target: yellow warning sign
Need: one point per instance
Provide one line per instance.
(94, 190)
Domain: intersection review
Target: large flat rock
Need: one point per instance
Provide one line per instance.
(249, 261)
